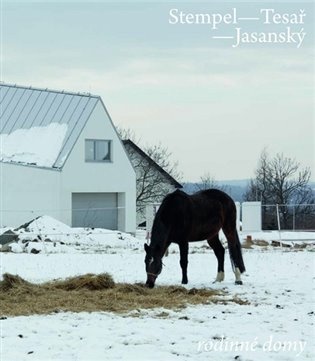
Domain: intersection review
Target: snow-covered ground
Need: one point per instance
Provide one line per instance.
(48, 235)
(277, 325)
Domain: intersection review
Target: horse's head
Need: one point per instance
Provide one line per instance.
(153, 266)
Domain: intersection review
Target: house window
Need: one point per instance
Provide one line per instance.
(98, 150)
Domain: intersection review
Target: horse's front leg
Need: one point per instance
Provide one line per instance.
(219, 251)
(183, 249)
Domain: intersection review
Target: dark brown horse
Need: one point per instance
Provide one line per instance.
(184, 218)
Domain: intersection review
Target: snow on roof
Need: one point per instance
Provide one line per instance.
(33, 146)
(40, 126)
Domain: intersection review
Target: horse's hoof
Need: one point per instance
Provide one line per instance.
(220, 277)
(184, 282)
(238, 282)
(149, 285)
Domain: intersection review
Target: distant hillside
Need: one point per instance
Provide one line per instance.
(238, 183)
(235, 188)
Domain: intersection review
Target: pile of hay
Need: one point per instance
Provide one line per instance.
(89, 281)
(89, 293)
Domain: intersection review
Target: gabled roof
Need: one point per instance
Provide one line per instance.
(54, 117)
(128, 142)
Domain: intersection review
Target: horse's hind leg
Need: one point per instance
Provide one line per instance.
(219, 251)
(183, 249)
(235, 253)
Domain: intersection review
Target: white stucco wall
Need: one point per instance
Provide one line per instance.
(27, 192)
(118, 176)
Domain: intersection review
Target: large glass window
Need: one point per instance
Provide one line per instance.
(98, 150)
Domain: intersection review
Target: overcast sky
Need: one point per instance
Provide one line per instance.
(214, 106)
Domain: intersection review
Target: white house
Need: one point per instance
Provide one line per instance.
(60, 155)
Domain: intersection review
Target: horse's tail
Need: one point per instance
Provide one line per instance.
(235, 251)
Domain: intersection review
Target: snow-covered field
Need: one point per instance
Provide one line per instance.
(277, 325)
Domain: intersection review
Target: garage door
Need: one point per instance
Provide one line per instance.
(98, 210)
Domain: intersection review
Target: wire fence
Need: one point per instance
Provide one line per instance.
(91, 217)
(284, 216)
(294, 217)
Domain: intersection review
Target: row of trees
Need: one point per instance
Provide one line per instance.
(282, 180)
(278, 180)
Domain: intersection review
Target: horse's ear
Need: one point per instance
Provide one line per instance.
(146, 248)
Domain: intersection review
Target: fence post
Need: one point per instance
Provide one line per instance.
(279, 226)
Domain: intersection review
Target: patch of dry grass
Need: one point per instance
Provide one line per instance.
(89, 293)
(249, 243)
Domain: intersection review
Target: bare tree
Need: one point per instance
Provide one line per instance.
(127, 133)
(155, 170)
(281, 180)
(163, 157)
(208, 181)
